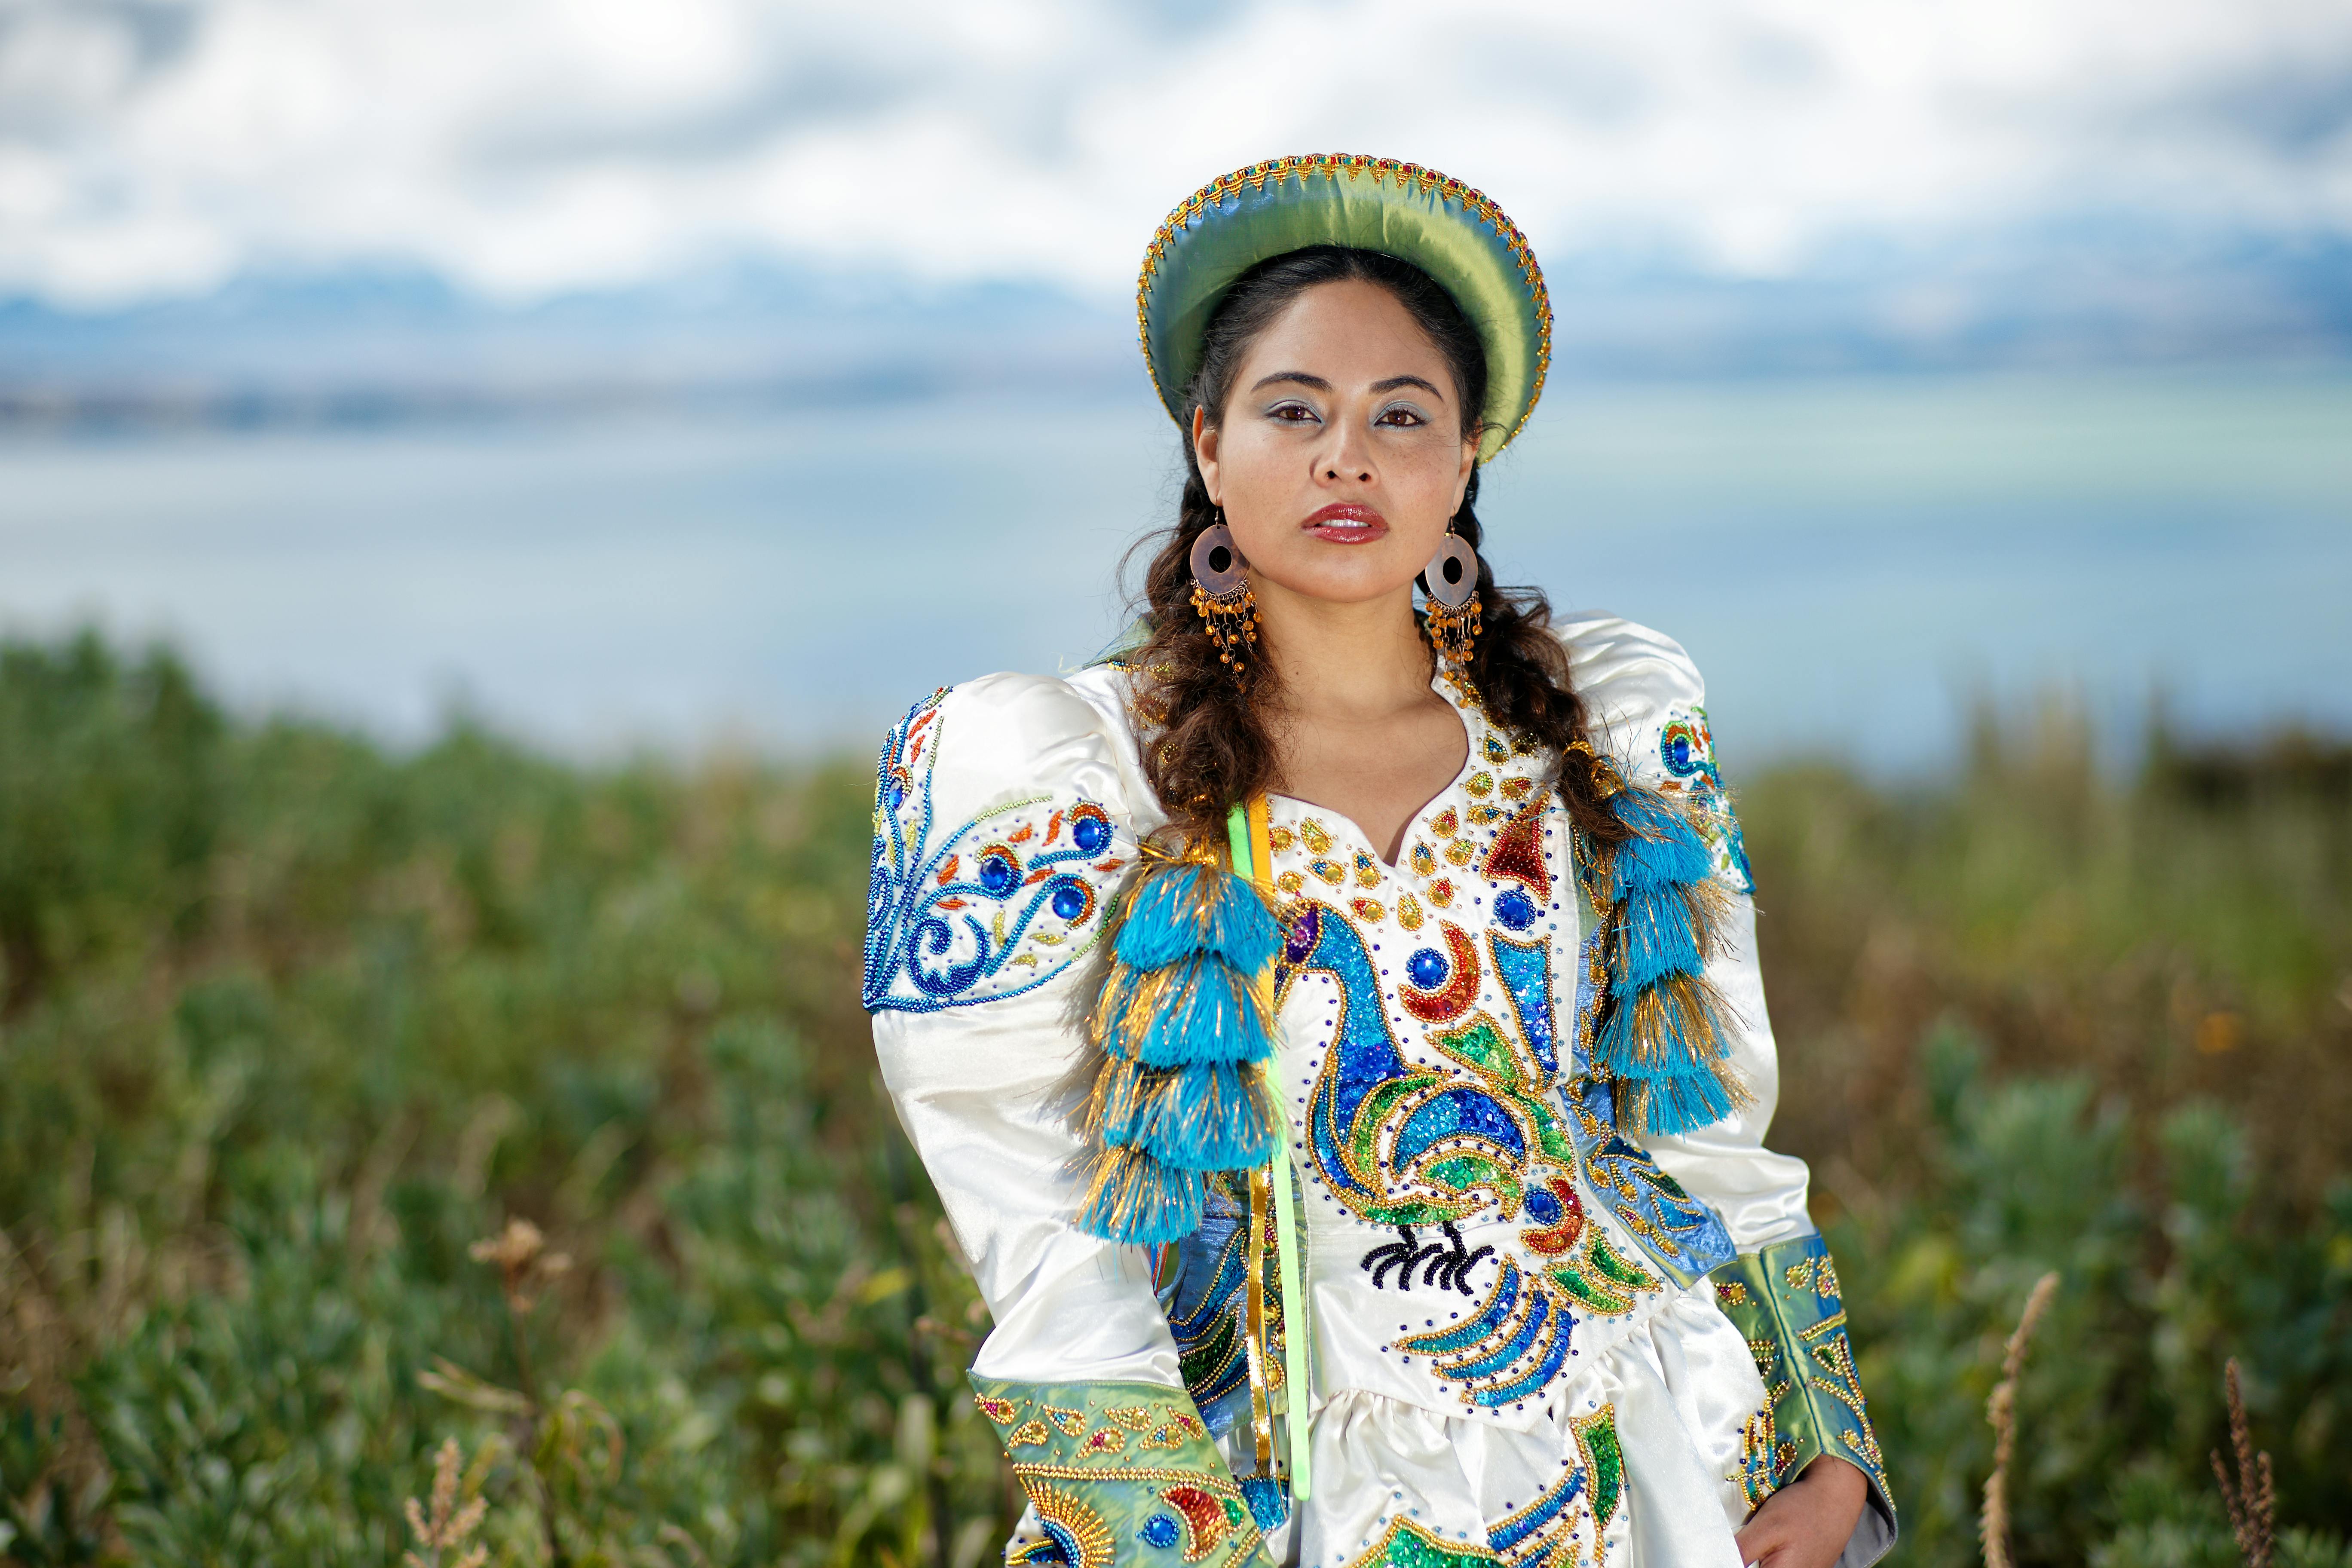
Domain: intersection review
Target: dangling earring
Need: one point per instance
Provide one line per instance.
(1450, 578)
(1221, 593)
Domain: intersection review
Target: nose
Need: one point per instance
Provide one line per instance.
(1346, 455)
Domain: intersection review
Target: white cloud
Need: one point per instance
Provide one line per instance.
(525, 147)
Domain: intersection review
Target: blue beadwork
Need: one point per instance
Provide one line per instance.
(1160, 1530)
(1427, 968)
(1207, 1311)
(1538, 1515)
(1515, 908)
(1525, 968)
(1268, 1498)
(1680, 1234)
(1542, 1208)
(975, 917)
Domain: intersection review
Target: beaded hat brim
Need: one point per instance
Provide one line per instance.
(1440, 225)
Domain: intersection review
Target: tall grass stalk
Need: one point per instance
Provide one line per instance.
(2253, 1500)
(2001, 1410)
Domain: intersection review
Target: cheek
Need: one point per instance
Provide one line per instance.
(1250, 460)
(1425, 478)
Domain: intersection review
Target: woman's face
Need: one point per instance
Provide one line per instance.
(1341, 455)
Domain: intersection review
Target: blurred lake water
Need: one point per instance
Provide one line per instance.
(1851, 560)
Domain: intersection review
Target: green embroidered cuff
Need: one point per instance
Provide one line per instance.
(1785, 1300)
(1119, 1473)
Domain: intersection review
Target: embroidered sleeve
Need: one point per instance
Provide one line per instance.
(1118, 1473)
(1004, 827)
(1648, 705)
(1786, 1301)
(960, 912)
(1772, 1273)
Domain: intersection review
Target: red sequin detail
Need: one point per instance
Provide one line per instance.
(1519, 853)
(1454, 998)
(1555, 1239)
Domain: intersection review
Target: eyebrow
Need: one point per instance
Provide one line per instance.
(1319, 384)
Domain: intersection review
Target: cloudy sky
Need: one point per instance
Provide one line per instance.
(524, 149)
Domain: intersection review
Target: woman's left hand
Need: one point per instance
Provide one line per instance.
(1806, 1523)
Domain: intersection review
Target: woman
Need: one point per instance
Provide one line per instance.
(1335, 1031)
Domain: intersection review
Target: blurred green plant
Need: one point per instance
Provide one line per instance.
(292, 1024)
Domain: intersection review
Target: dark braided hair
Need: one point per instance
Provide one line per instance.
(1206, 744)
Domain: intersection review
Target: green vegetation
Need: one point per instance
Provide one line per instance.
(288, 1025)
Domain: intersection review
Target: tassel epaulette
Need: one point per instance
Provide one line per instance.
(1664, 1033)
(1185, 1026)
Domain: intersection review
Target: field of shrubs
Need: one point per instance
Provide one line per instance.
(357, 1103)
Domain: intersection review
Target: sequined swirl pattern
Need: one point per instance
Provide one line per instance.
(999, 906)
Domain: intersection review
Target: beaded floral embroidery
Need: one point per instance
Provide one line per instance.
(1001, 905)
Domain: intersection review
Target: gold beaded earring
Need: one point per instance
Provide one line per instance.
(1221, 593)
(1451, 580)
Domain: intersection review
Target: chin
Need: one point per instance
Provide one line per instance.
(1347, 588)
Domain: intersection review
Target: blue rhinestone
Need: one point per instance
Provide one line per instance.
(1515, 908)
(1427, 968)
(1091, 833)
(1682, 753)
(1070, 901)
(1159, 1530)
(999, 875)
(1542, 1208)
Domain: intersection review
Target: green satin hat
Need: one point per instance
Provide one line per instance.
(1440, 225)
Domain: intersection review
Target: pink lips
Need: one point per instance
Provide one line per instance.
(1345, 522)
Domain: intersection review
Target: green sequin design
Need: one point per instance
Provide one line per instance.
(1407, 1545)
(1112, 1454)
(1605, 1462)
(1785, 1301)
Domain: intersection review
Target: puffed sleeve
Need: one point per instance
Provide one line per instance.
(1004, 829)
(1646, 705)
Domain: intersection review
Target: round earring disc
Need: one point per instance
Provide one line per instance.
(1216, 565)
(1452, 574)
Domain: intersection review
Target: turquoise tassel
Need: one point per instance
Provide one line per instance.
(1135, 1198)
(1187, 907)
(1182, 1089)
(1690, 1032)
(1665, 850)
(1660, 938)
(1665, 1036)
(1208, 1118)
(1207, 1015)
(1123, 1092)
(1683, 1103)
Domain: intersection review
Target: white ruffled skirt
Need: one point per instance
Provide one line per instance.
(1681, 1386)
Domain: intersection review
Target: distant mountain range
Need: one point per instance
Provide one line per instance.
(359, 348)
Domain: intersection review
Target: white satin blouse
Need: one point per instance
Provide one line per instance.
(1492, 1277)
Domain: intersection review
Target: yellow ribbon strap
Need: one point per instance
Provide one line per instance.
(1245, 832)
